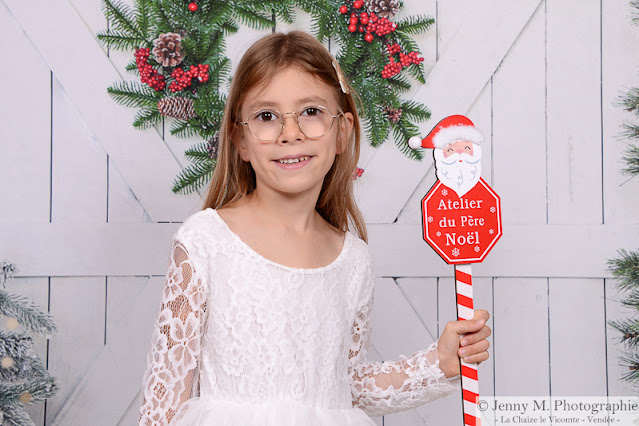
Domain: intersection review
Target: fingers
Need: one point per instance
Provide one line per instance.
(476, 352)
(481, 314)
(475, 337)
(466, 326)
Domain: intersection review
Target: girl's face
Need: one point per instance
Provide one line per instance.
(292, 90)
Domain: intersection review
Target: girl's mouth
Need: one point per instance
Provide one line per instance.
(293, 163)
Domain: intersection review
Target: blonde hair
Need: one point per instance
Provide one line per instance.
(234, 178)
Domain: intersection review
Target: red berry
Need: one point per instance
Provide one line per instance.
(343, 9)
(352, 28)
(362, 29)
(354, 20)
(192, 7)
(369, 37)
(364, 19)
(358, 4)
(373, 17)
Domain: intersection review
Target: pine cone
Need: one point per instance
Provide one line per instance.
(212, 145)
(168, 49)
(383, 8)
(177, 107)
(393, 114)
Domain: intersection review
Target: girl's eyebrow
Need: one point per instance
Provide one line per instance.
(260, 104)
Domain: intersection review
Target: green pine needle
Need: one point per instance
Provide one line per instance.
(626, 269)
(193, 177)
(415, 24)
(631, 158)
(121, 17)
(114, 39)
(134, 95)
(145, 119)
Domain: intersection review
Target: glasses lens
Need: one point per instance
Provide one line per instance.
(265, 125)
(315, 121)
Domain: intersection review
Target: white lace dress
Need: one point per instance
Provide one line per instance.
(242, 340)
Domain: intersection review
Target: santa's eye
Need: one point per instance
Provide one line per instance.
(467, 147)
(449, 149)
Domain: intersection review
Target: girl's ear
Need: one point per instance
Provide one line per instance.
(346, 132)
(237, 137)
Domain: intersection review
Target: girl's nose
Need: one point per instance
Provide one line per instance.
(290, 131)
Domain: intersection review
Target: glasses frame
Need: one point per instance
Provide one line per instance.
(297, 121)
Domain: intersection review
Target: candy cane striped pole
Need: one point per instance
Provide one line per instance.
(470, 382)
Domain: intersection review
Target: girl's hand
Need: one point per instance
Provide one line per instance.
(472, 348)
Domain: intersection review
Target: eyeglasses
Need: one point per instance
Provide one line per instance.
(267, 124)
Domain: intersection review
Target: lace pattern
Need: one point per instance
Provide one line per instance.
(173, 367)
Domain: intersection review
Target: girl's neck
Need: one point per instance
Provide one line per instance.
(293, 213)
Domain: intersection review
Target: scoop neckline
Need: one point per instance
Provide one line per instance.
(242, 243)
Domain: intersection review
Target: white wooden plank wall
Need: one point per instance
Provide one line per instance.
(552, 153)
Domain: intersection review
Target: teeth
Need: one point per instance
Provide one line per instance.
(293, 160)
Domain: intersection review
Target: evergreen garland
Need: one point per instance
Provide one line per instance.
(365, 60)
(626, 266)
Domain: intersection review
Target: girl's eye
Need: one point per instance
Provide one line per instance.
(312, 111)
(467, 147)
(266, 116)
(449, 149)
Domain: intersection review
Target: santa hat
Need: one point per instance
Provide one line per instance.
(447, 131)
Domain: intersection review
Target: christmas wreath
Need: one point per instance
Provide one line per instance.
(178, 53)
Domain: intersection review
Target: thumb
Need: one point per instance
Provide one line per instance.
(469, 326)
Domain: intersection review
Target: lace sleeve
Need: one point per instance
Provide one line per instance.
(391, 386)
(172, 374)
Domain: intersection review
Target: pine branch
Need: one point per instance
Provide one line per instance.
(630, 101)
(134, 94)
(40, 386)
(18, 347)
(635, 13)
(192, 177)
(119, 40)
(399, 83)
(146, 118)
(14, 415)
(631, 158)
(415, 111)
(252, 18)
(26, 312)
(199, 154)
(144, 17)
(626, 269)
(402, 132)
(121, 17)
(415, 24)
(629, 330)
(183, 129)
(631, 362)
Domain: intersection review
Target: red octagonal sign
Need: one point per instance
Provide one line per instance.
(462, 230)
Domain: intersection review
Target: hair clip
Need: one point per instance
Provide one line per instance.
(340, 77)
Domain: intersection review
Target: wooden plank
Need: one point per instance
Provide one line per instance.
(577, 320)
(110, 122)
(581, 251)
(80, 337)
(120, 363)
(452, 87)
(78, 165)
(519, 128)
(520, 333)
(615, 350)
(98, 249)
(574, 112)
(92, 250)
(619, 73)
(25, 119)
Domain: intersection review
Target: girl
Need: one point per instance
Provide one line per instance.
(265, 313)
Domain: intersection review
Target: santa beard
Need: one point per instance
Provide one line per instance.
(460, 176)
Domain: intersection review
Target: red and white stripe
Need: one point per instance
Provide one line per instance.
(470, 382)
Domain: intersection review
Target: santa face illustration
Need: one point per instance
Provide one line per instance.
(458, 165)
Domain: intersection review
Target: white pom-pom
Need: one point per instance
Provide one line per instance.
(415, 142)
